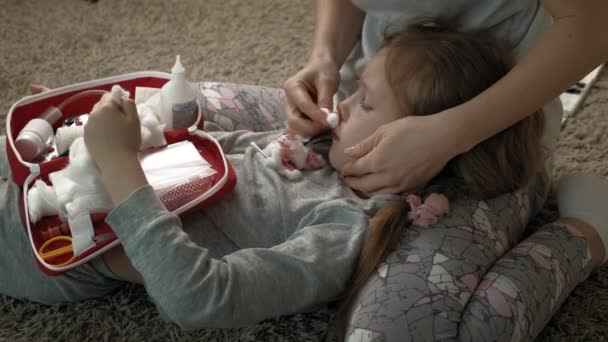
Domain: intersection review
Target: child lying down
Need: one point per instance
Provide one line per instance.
(279, 246)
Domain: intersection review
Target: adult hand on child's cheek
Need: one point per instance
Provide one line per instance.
(112, 133)
(400, 156)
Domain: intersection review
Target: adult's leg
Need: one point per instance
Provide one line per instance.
(231, 107)
(525, 287)
(425, 284)
(522, 291)
(21, 277)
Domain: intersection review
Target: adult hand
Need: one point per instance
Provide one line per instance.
(401, 156)
(306, 92)
(112, 133)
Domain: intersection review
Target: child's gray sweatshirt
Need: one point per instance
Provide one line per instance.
(271, 247)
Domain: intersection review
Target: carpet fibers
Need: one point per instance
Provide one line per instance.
(263, 42)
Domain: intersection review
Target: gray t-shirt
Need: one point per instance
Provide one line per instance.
(516, 22)
(271, 247)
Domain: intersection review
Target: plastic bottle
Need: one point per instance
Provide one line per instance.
(37, 134)
(178, 100)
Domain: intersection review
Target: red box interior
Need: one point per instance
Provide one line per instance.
(22, 114)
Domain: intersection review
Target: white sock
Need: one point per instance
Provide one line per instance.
(585, 197)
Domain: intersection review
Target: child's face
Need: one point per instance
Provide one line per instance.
(372, 105)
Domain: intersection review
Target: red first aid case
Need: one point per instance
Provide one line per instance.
(54, 256)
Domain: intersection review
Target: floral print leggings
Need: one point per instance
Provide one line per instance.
(476, 275)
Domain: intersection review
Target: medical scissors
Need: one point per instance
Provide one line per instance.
(65, 250)
(46, 256)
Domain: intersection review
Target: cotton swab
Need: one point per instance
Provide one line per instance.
(258, 148)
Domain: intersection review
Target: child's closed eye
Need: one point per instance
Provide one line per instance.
(365, 106)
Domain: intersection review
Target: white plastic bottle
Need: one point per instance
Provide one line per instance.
(33, 140)
(178, 106)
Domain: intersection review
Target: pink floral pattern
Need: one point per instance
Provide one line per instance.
(459, 272)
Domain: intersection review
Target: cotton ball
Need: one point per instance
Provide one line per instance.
(333, 120)
(118, 93)
(151, 130)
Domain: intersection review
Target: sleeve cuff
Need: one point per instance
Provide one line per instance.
(138, 210)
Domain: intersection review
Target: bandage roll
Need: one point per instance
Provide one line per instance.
(65, 136)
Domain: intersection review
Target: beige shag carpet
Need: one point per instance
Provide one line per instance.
(263, 42)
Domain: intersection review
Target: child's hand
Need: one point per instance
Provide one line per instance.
(113, 133)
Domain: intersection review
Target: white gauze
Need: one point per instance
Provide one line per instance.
(79, 184)
(41, 201)
(151, 129)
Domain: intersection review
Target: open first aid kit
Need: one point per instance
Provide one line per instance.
(188, 170)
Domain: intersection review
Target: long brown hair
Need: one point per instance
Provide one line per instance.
(431, 68)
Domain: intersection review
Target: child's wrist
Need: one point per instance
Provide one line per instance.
(117, 162)
(122, 176)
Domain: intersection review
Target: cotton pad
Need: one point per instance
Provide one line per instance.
(333, 120)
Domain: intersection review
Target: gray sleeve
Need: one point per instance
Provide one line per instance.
(237, 142)
(310, 269)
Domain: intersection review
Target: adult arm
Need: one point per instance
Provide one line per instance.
(562, 55)
(338, 27)
(573, 46)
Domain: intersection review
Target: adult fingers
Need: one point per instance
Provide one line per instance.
(298, 93)
(387, 190)
(327, 87)
(300, 124)
(303, 126)
(362, 148)
(370, 183)
(360, 166)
